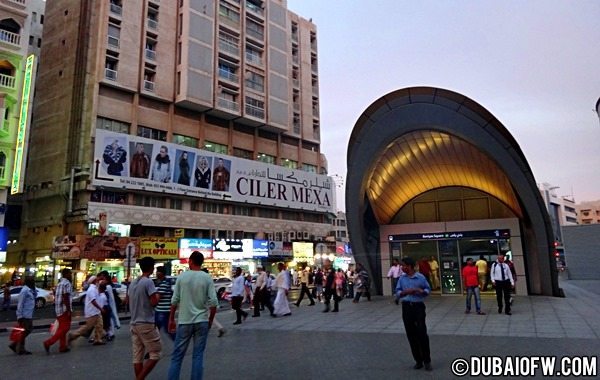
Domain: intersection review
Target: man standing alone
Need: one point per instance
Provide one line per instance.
(196, 298)
(412, 290)
(145, 338)
(62, 307)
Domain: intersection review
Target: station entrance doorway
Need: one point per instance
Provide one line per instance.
(440, 257)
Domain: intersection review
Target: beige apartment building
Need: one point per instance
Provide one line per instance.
(233, 80)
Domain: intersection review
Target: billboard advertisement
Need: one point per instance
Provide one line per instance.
(126, 161)
(165, 248)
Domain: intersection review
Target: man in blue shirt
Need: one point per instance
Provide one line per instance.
(25, 309)
(411, 290)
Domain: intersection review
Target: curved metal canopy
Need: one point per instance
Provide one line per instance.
(424, 160)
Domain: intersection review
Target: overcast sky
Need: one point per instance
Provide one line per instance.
(535, 65)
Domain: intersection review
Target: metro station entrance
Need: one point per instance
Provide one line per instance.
(440, 257)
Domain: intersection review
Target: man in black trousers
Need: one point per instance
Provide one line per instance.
(329, 290)
(304, 289)
(411, 289)
(503, 281)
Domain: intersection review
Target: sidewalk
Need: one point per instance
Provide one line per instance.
(575, 316)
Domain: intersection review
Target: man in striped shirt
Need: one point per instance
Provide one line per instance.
(62, 307)
(163, 308)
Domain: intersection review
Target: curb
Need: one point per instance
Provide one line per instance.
(45, 324)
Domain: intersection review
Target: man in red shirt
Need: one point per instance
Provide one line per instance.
(471, 284)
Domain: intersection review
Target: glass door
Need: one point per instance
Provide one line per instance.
(450, 267)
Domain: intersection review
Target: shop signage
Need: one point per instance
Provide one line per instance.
(303, 251)
(179, 232)
(488, 234)
(67, 247)
(175, 169)
(280, 249)
(187, 246)
(260, 248)
(159, 247)
(106, 247)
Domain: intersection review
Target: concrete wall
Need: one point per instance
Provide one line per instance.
(582, 251)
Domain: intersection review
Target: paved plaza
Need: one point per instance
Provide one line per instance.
(363, 341)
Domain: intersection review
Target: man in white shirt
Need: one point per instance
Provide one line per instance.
(237, 295)
(394, 274)
(93, 315)
(503, 281)
(262, 296)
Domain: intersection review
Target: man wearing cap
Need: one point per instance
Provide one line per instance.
(93, 315)
(412, 289)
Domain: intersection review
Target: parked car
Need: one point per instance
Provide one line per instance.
(43, 298)
(79, 296)
(221, 285)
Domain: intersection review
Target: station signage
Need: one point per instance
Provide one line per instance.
(485, 234)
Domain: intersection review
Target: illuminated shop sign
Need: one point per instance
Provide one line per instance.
(303, 251)
(187, 246)
(280, 249)
(159, 247)
(260, 248)
(17, 183)
(487, 234)
(126, 161)
(228, 249)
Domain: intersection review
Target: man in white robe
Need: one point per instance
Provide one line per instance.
(281, 306)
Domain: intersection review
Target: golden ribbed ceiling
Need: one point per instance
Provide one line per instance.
(425, 160)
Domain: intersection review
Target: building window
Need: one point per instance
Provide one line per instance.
(31, 39)
(185, 140)
(291, 164)
(214, 147)
(228, 15)
(309, 168)
(152, 18)
(151, 133)
(255, 81)
(227, 71)
(2, 164)
(266, 158)
(268, 213)
(151, 50)
(213, 208)
(116, 7)
(255, 30)
(242, 153)
(110, 68)
(241, 210)
(176, 204)
(149, 81)
(112, 125)
(149, 201)
(255, 108)
(114, 34)
(229, 44)
(253, 54)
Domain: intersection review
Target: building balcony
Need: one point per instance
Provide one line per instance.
(260, 36)
(254, 111)
(22, 2)
(254, 59)
(229, 48)
(228, 75)
(229, 22)
(10, 37)
(113, 42)
(254, 8)
(7, 81)
(228, 104)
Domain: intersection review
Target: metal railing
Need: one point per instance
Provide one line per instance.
(7, 81)
(228, 75)
(113, 41)
(255, 111)
(228, 104)
(229, 47)
(152, 24)
(116, 9)
(255, 59)
(255, 34)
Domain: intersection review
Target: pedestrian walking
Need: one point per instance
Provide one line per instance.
(304, 288)
(142, 298)
(6, 297)
(237, 295)
(363, 283)
(113, 310)
(503, 281)
(412, 290)
(163, 308)
(329, 290)
(195, 297)
(93, 315)
(471, 284)
(281, 306)
(393, 274)
(25, 308)
(63, 308)
(261, 295)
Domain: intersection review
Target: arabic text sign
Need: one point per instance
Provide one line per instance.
(187, 246)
